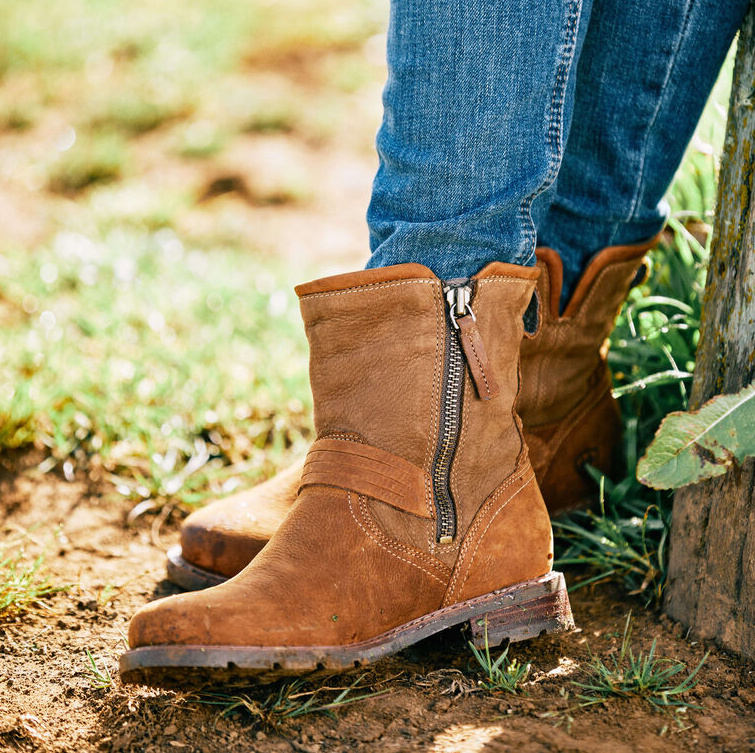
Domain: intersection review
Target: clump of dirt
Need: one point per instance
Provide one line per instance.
(51, 699)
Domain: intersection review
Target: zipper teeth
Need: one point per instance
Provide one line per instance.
(448, 436)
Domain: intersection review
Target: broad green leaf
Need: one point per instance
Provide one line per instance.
(692, 446)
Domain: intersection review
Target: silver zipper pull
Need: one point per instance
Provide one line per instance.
(459, 295)
(458, 298)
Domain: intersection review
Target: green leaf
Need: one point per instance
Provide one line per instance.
(692, 446)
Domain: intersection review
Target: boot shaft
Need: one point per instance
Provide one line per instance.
(390, 367)
(567, 357)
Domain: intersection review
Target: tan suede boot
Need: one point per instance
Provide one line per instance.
(418, 508)
(566, 407)
(569, 414)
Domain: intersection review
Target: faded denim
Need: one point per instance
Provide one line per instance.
(582, 107)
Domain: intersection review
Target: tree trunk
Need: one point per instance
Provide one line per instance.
(711, 582)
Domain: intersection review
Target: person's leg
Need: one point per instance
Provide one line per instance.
(643, 78)
(475, 105)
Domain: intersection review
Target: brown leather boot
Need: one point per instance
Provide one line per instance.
(569, 414)
(418, 507)
(566, 407)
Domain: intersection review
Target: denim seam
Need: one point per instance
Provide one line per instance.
(661, 99)
(555, 118)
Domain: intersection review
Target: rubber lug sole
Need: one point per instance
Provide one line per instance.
(516, 613)
(188, 576)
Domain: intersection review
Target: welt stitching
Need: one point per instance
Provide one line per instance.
(379, 537)
(487, 527)
(368, 288)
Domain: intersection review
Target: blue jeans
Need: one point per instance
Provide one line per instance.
(514, 122)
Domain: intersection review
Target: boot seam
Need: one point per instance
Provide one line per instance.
(440, 320)
(376, 538)
(579, 406)
(574, 419)
(469, 535)
(369, 288)
(487, 528)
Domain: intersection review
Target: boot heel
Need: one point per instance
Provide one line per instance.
(525, 618)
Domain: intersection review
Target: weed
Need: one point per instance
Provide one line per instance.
(23, 585)
(99, 679)
(656, 680)
(502, 674)
(625, 541)
(291, 700)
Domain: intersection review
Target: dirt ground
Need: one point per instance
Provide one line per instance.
(48, 702)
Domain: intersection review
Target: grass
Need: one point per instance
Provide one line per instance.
(94, 158)
(160, 370)
(291, 700)
(99, 679)
(23, 585)
(501, 674)
(661, 682)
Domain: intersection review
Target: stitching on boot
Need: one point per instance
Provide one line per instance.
(392, 543)
(476, 525)
(369, 288)
(373, 536)
(440, 315)
(499, 278)
(344, 437)
(479, 363)
(439, 320)
(490, 523)
(582, 314)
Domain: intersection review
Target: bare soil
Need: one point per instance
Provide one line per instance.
(48, 702)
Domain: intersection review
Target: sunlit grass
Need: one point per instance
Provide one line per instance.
(503, 673)
(159, 369)
(23, 583)
(93, 159)
(661, 682)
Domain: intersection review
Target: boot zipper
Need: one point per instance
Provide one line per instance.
(458, 295)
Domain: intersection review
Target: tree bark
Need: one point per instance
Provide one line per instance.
(711, 579)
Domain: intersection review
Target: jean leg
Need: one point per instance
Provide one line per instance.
(644, 75)
(474, 109)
